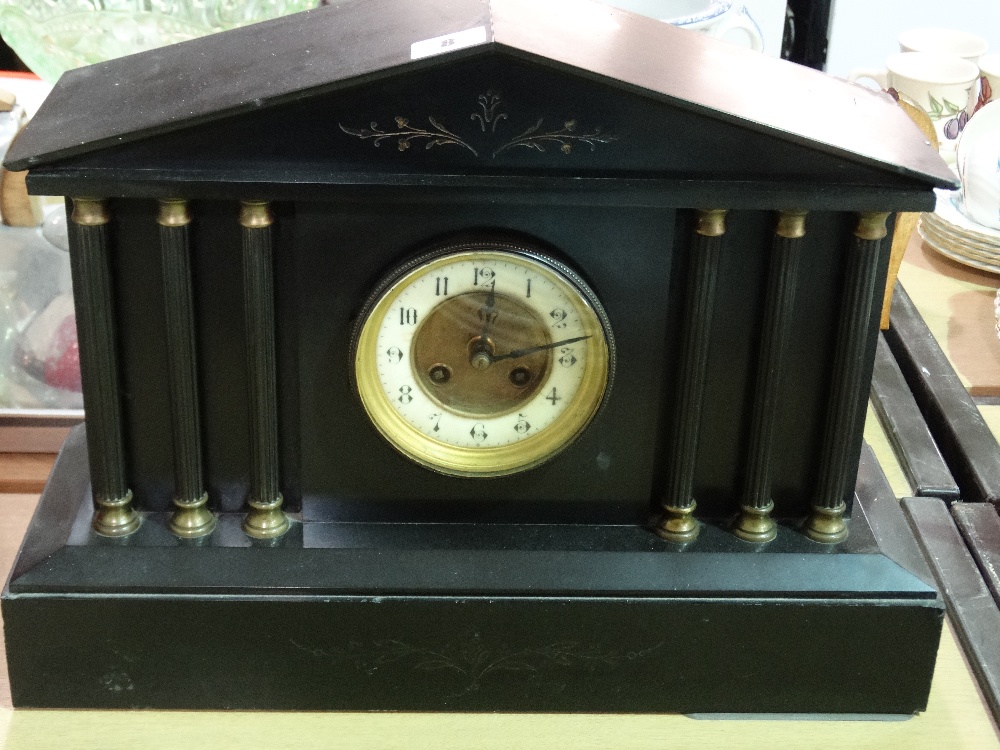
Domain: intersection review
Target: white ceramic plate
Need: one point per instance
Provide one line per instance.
(947, 232)
(948, 250)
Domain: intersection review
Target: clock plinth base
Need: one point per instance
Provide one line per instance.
(417, 617)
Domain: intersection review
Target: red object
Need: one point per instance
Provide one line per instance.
(62, 370)
(19, 74)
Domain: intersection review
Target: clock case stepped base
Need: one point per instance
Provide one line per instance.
(411, 617)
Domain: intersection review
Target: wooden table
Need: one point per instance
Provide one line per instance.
(956, 302)
(25, 472)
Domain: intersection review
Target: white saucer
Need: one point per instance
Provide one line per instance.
(949, 209)
(949, 231)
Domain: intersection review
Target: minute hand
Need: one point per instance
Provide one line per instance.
(532, 349)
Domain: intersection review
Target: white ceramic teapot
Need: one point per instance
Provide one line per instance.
(718, 18)
(978, 164)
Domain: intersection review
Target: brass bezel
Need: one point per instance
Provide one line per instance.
(487, 461)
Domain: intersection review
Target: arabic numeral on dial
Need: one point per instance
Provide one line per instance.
(553, 397)
(441, 286)
(568, 359)
(395, 355)
(436, 419)
(407, 316)
(558, 317)
(405, 396)
(522, 426)
(528, 294)
(478, 432)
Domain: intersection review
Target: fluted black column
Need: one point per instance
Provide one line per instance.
(191, 516)
(754, 523)
(839, 463)
(265, 519)
(677, 523)
(95, 322)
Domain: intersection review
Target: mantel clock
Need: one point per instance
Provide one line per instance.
(427, 335)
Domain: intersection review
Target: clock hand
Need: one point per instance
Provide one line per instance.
(481, 355)
(532, 349)
(488, 311)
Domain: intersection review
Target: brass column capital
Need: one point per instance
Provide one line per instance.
(255, 214)
(791, 224)
(90, 212)
(711, 222)
(871, 226)
(173, 213)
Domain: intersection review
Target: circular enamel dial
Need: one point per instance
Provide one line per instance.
(482, 359)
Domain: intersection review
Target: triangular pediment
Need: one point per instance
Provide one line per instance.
(567, 86)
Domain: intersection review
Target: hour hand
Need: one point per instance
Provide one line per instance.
(487, 313)
(532, 349)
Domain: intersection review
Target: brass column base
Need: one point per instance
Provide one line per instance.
(192, 518)
(826, 525)
(678, 524)
(116, 517)
(266, 520)
(755, 524)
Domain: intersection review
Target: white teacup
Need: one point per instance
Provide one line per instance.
(941, 85)
(944, 42)
(721, 19)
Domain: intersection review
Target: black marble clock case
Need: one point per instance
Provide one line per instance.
(398, 588)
